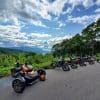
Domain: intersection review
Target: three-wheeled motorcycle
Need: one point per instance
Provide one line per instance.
(22, 79)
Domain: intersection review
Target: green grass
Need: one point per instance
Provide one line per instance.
(45, 65)
(98, 55)
(4, 71)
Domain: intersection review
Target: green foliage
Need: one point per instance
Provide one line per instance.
(8, 59)
(98, 55)
(86, 43)
(4, 71)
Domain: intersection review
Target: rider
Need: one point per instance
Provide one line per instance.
(17, 65)
(26, 69)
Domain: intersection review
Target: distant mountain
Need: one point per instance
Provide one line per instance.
(9, 51)
(26, 49)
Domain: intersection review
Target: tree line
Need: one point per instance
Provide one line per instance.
(85, 43)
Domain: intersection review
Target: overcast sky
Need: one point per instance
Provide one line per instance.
(42, 23)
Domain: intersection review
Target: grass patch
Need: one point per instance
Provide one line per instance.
(45, 65)
(4, 71)
(98, 56)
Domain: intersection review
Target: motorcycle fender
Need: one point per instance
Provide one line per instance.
(21, 79)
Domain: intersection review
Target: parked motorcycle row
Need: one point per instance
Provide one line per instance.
(66, 65)
(25, 75)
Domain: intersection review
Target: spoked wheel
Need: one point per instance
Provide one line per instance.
(18, 86)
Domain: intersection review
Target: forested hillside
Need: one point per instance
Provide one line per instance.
(85, 43)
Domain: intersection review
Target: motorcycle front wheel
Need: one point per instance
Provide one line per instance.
(18, 86)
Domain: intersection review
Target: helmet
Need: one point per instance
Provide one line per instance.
(17, 63)
(26, 63)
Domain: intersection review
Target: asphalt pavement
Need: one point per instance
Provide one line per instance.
(82, 83)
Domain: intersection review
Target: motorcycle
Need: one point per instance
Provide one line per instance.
(61, 64)
(91, 60)
(98, 60)
(22, 79)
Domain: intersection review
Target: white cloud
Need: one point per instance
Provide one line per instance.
(85, 3)
(29, 9)
(57, 39)
(98, 2)
(38, 23)
(15, 10)
(11, 36)
(74, 3)
(97, 10)
(83, 19)
(58, 28)
(61, 24)
(38, 35)
(88, 3)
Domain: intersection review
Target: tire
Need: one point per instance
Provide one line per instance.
(74, 66)
(42, 77)
(18, 86)
(91, 62)
(98, 61)
(41, 72)
(65, 68)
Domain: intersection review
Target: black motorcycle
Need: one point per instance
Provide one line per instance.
(91, 60)
(98, 60)
(73, 63)
(21, 79)
(61, 64)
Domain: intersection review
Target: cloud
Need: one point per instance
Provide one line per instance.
(61, 24)
(38, 35)
(33, 9)
(98, 2)
(53, 40)
(83, 19)
(39, 23)
(57, 28)
(97, 10)
(85, 3)
(16, 10)
(57, 39)
(74, 3)
(11, 36)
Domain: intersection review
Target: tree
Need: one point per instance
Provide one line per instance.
(91, 34)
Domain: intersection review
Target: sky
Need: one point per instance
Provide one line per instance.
(43, 23)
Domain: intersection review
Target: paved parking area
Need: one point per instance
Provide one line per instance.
(78, 84)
